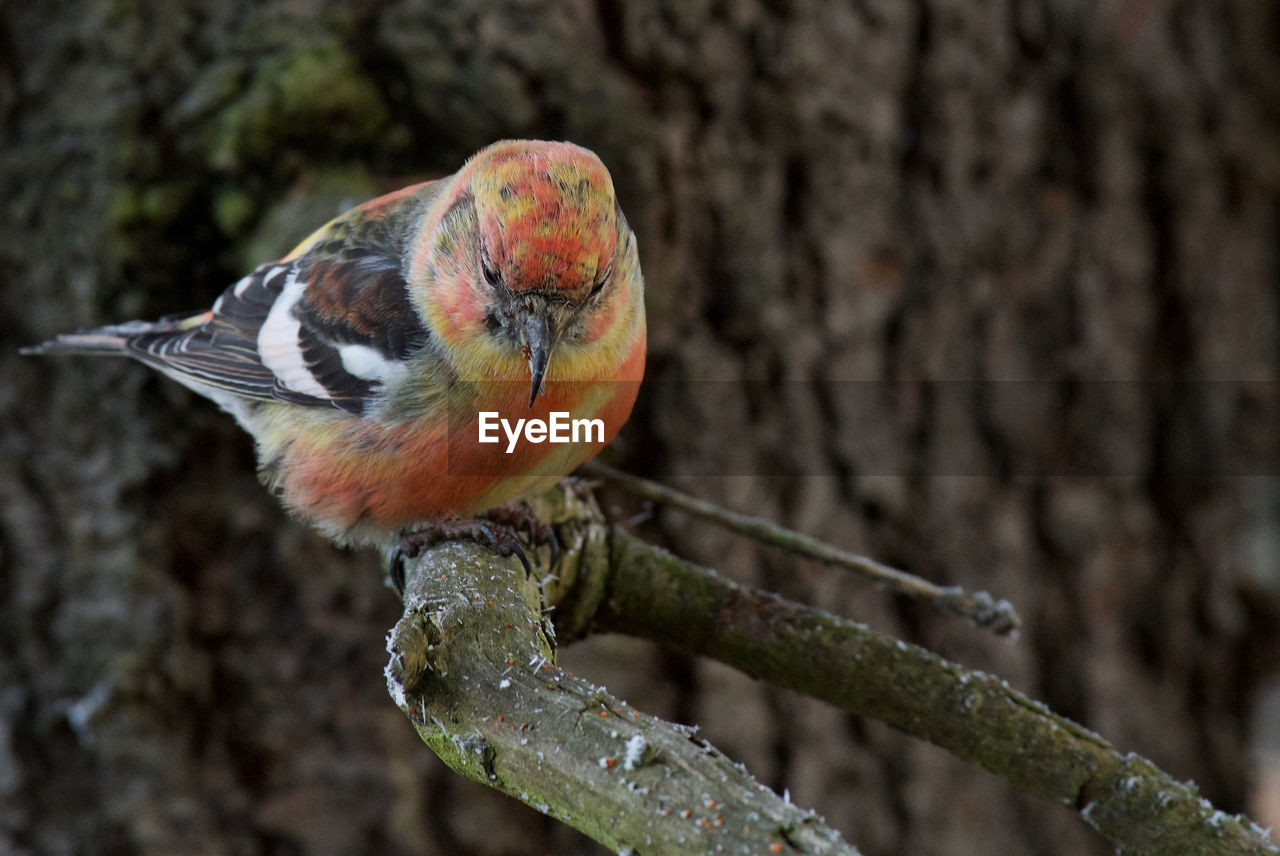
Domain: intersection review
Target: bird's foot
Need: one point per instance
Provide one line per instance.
(497, 529)
(498, 537)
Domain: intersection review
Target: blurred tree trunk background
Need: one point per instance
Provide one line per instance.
(835, 202)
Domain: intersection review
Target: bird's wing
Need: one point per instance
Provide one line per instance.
(326, 326)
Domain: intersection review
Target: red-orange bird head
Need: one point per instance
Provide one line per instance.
(538, 260)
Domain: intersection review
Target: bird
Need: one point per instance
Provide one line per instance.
(363, 362)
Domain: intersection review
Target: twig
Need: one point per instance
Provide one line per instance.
(979, 607)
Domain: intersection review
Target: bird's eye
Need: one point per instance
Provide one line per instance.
(490, 271)
(601, 281)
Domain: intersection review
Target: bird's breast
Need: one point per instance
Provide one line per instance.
(460, 458)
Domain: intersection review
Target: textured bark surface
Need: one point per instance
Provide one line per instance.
(826, 196)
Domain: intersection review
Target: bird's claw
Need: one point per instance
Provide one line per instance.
(521, 518)
(395, 559)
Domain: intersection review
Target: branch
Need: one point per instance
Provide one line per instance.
(977, 717)
(473, 667)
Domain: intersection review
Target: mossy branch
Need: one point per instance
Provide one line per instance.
(473, 667)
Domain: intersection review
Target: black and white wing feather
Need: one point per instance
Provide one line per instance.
(328, 328)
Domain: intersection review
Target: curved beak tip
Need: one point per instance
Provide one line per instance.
(537, 371)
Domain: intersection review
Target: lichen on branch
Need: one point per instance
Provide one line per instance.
(472, 664)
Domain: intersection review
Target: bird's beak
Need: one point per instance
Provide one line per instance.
(539, 336)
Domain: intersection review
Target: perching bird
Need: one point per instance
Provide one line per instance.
(361, 361)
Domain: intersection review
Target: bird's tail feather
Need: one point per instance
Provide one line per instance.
(112, 339)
